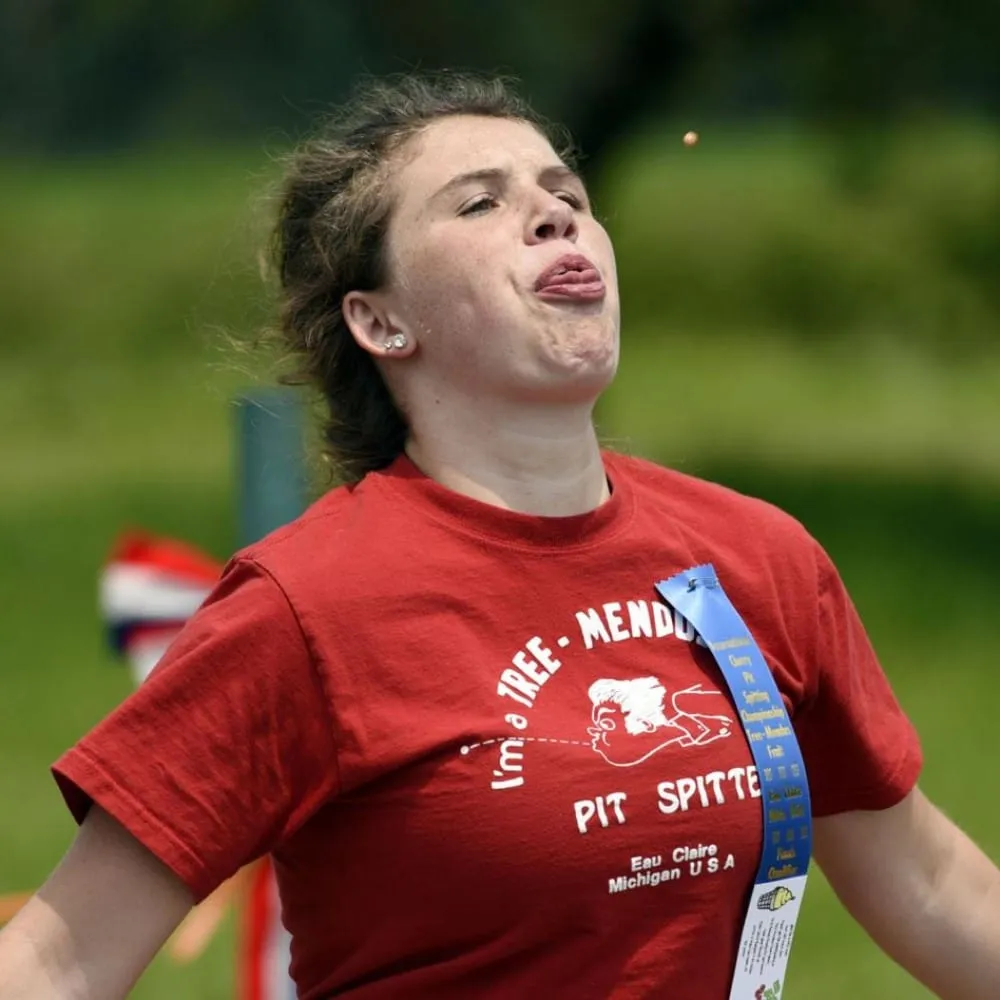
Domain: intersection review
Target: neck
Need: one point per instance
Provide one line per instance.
(533, 460)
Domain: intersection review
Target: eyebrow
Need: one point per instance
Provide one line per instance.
(555, 172)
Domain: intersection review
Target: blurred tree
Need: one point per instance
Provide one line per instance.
(103, 73)
(78, 74)
(596, 65)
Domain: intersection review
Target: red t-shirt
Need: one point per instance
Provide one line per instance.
(488, 762)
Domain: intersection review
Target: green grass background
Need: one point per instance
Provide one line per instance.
(828, 344)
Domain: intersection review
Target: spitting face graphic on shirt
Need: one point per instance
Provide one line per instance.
(633, 719)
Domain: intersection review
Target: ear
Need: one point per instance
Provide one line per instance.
(373, 328)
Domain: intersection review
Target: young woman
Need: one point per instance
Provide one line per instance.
(487, 757)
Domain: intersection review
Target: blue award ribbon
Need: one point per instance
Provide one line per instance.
(774, 903)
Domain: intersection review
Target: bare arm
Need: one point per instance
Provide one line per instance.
(923, 891)
(96, 923)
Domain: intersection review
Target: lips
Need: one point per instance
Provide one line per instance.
(572, 276)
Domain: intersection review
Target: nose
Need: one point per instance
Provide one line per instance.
(552, 219)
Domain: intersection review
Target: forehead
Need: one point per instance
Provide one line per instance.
(463, 143)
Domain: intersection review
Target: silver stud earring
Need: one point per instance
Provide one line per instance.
(396, 342)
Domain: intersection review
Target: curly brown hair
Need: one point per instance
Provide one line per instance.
(335, 206)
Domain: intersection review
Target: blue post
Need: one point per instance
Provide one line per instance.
(271, 466)
(272, 490)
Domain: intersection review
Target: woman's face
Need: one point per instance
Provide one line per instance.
(498, 270)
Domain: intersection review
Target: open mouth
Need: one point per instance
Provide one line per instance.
(598, 734)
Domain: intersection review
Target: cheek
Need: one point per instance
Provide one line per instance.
(450, 290)
(602, 243)
(439, 275)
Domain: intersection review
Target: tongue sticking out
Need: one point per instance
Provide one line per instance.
(585, 284)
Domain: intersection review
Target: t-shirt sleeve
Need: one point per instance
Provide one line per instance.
(226, 749)
(860, 749)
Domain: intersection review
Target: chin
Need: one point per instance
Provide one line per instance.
(579, 359)
(587, 340)
(583, 378)
(595, 357)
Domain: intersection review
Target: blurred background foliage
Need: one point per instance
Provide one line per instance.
(849, 184)
(100, 72)
(811, 313)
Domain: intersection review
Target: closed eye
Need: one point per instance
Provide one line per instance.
(484, 202)
(479, 205)
(574, 201)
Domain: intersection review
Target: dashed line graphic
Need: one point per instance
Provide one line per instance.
(469, 747)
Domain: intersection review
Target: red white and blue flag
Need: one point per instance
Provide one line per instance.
(149, 588)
